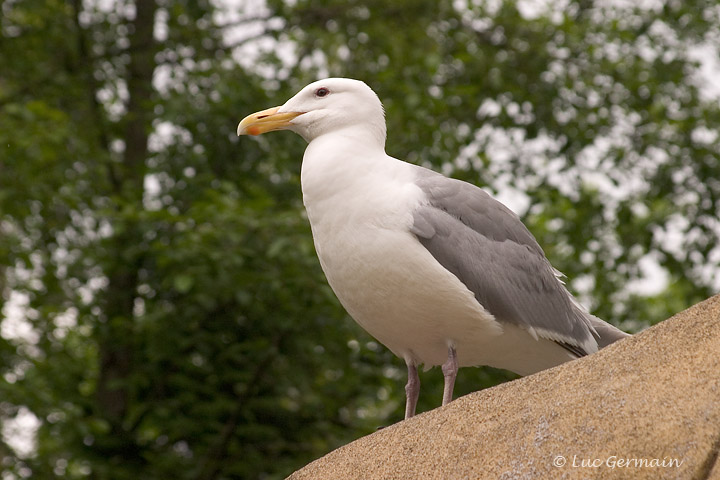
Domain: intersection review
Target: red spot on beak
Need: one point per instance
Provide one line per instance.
(254, 131)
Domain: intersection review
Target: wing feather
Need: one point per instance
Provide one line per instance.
(491, 251)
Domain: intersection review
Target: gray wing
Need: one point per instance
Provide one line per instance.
(490, 250)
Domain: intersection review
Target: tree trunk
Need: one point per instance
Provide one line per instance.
(116, 334)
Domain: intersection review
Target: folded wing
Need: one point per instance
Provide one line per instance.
(490, 250)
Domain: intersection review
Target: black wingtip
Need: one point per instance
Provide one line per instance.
(574, 349)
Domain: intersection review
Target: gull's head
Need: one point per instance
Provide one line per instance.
(325, 106)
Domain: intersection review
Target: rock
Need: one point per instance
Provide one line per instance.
(645, 407)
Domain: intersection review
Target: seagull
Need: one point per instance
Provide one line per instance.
(432, 267)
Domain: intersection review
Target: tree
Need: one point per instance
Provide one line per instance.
(166, 335)
(164, 312)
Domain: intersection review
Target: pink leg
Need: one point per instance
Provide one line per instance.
(450, 370)
(412, 390)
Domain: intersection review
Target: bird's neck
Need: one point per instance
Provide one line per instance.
(342, 164)
(369, 137)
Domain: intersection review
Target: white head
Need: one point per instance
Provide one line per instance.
(323, 107)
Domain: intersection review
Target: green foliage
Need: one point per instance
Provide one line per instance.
(164, 315)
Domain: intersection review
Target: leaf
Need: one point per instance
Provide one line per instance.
(183, 283)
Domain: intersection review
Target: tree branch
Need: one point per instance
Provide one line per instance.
(87, 63)
(210, 465)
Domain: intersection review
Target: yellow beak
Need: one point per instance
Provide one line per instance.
(265, 121)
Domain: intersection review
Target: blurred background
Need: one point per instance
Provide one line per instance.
(163, 311)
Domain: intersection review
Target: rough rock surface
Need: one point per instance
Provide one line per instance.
(647, 407)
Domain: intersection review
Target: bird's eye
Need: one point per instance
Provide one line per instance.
(322, 92)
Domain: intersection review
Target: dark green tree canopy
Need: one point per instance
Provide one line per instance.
(163, 312)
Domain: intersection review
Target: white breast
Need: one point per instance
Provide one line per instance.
(360, 210)
(381, 274)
